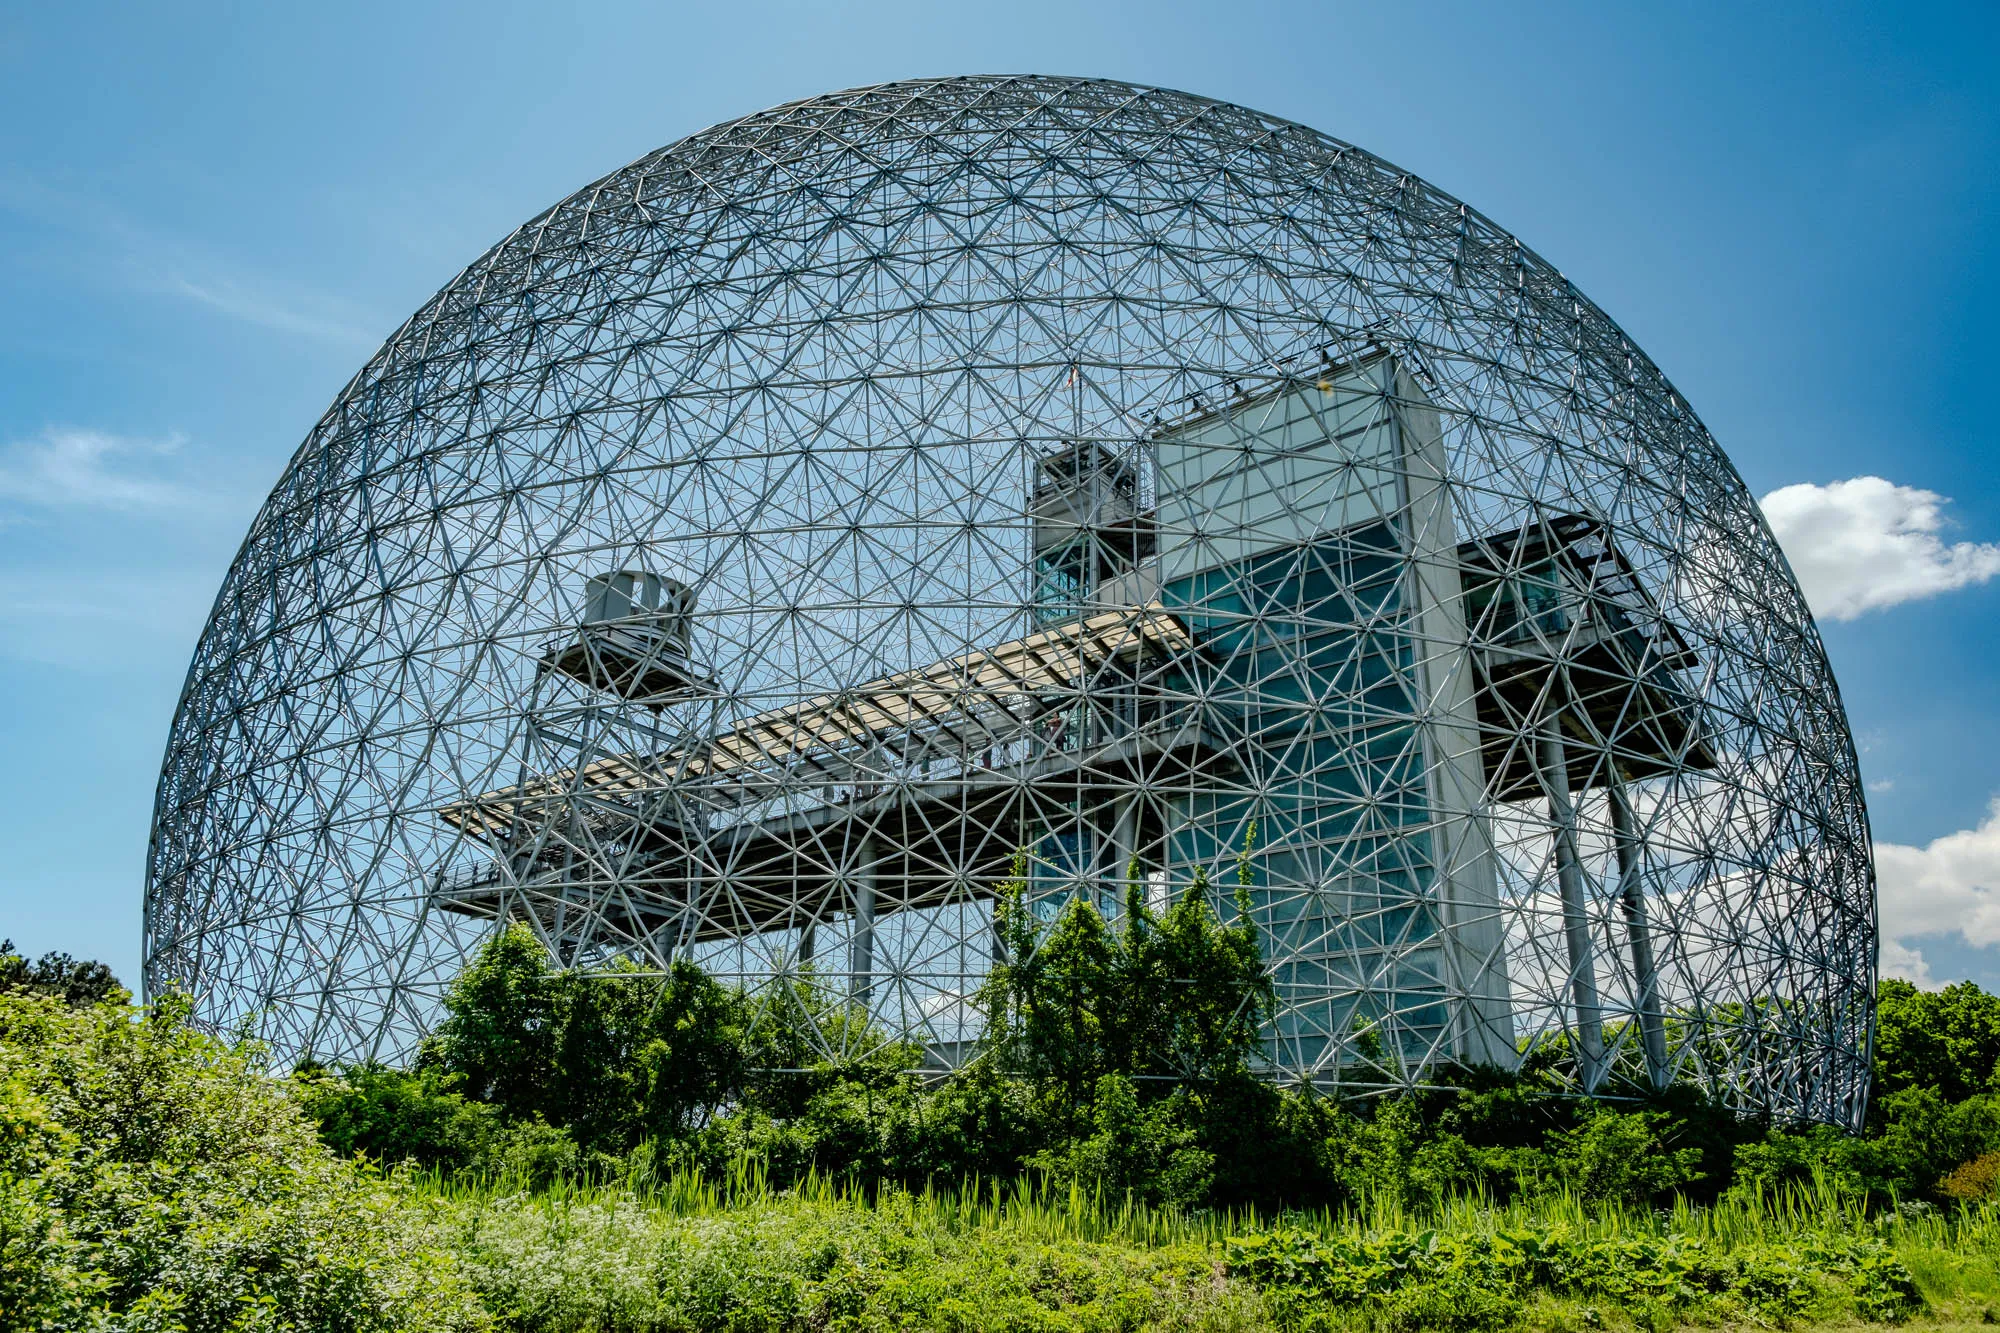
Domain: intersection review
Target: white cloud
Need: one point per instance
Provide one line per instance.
(65, 468)
(1948, 886)
(1866, 543)
(1899, 960)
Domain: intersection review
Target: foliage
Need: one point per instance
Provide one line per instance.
(1160, 1014)
(76, 982)
(1974, 1180)
(394, 1116)
(1151, 1152)
(818, 1258)
(731, 1251)
(1133, 1043)
(612, 1057)
(1120, 1055)
(1481, 1279)
(689, 1251)
(1176, 996)
(1946, 1040)
(1921, 1142)
(156, 1178)
(1617, 1157)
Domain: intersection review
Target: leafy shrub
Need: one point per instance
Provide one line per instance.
(1147, 1152)
(1924, 1135)
(1621, 1158)
(158, 1178)
(1480, 1280)
(393, 1117)
(1974, 1180)
(1921, 1141)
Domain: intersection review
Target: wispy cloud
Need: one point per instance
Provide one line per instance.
(102, 620)
(261, 305)
(66, 468)
(148, 260)
(1866, 543)
(76, 592)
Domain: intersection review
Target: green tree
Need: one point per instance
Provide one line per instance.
(1134, 1040)
(693, 1058)
(1197, 990)
(1178, 997)
(613, 1056)
(1057, 1013)
(599, 1031)
(76, 982)
(1948, 1040)
(498, 1036)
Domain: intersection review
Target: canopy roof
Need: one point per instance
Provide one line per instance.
(976, 690)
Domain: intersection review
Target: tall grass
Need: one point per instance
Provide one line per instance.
(682, 1249)
(1033, 1207)
(1053, 1210)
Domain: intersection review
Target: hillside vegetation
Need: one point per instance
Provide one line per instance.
(578, 1152)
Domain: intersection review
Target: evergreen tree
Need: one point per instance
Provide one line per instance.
(1173, 998)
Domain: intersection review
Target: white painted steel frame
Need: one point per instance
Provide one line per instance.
(806, 364)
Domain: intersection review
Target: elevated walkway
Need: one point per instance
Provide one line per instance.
(922, 785)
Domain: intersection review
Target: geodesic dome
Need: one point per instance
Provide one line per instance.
(776, 547)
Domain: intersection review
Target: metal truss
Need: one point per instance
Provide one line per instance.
(778, 545)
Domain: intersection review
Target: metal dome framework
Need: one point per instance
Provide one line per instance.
(773, 548)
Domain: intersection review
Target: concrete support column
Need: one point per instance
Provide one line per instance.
(1632, 894)
(1576, 919)
(808, 942)
(861, 944)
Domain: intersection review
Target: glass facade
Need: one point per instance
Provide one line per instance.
(1311, 682)
(1301, 540)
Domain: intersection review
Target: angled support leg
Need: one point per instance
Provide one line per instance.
(1576, 918)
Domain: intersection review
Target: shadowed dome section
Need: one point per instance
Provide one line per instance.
(780, 545)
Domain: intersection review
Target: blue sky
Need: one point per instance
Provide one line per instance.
(210, 215)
